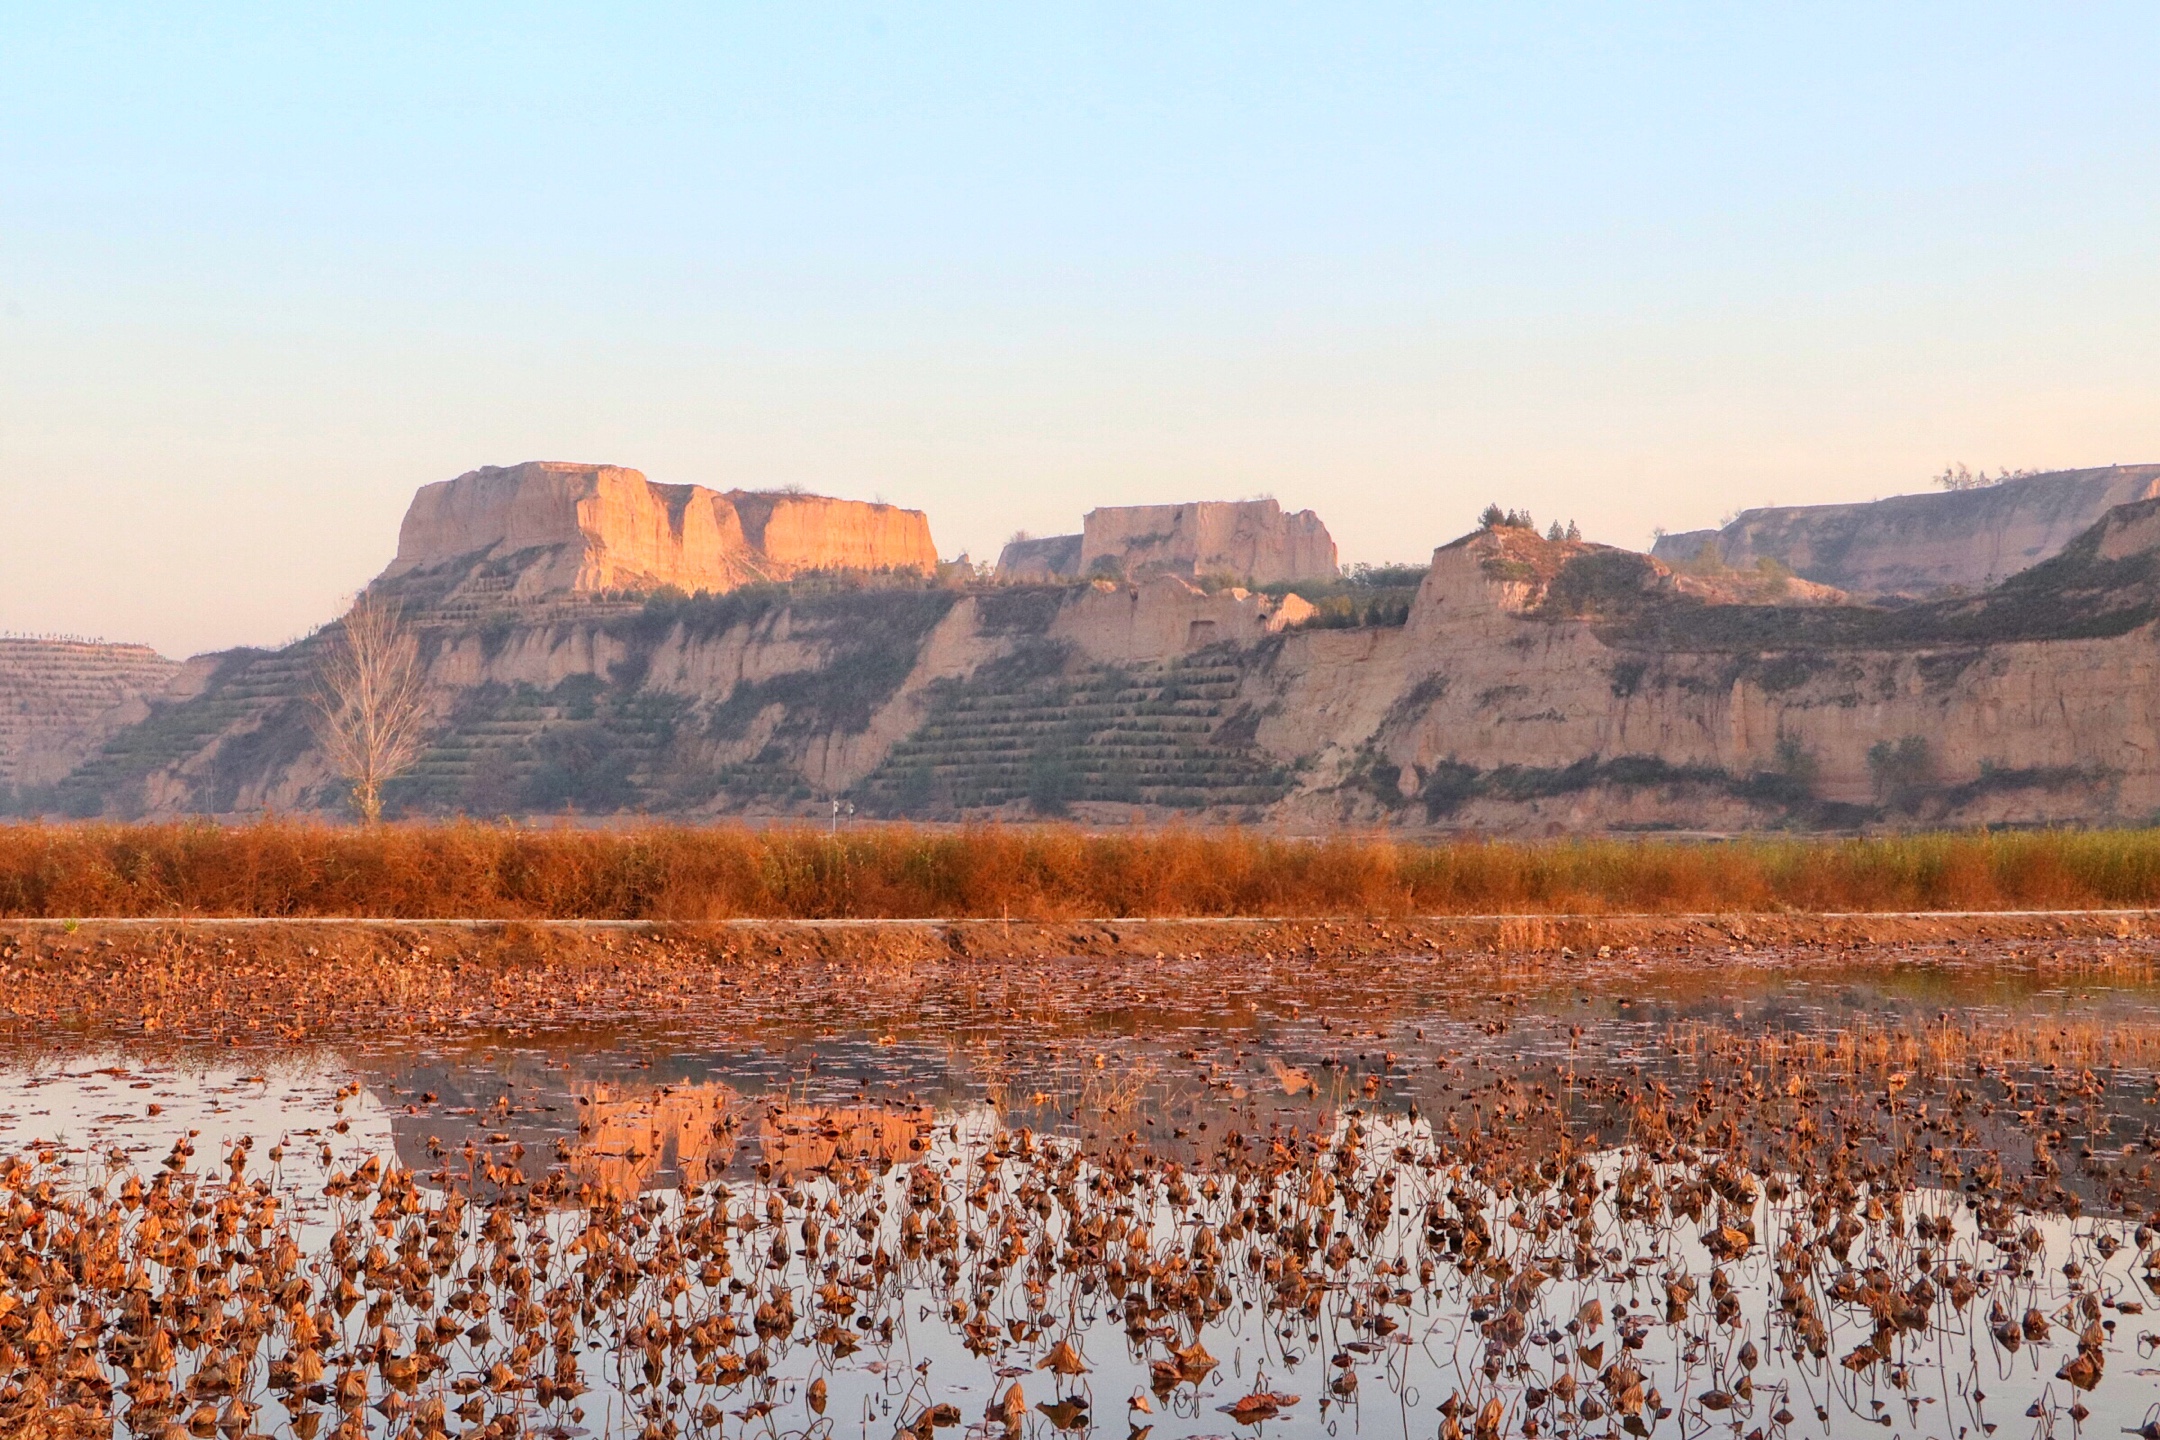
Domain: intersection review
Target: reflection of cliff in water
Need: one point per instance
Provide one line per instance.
(1187, 1092)
(679, 1123)
(796, 1140)
(629, 1138)
(441, 1103)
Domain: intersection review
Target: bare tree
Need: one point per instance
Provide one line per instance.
(369, 704)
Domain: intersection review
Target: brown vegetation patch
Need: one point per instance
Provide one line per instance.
(277, 985)
(285, 869)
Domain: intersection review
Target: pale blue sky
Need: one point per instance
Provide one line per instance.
(264, 270)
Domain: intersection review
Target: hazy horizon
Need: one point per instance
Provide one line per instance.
(263, 275)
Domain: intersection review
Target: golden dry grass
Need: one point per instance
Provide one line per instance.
(293, 868)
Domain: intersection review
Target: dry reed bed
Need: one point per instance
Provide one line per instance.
(675, 873)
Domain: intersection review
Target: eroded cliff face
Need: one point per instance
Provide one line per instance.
(1162, 617)
(759, 701)
(1039, 560)
(1250, 540)
(1537, 687)
(753, 701)
(547, 528)
(1255, 541)
(1550, 687)
(1924, 545)
(794, 534)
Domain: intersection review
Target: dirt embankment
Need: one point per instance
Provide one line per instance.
(276, 982)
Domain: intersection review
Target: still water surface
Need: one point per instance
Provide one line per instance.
(1260, 1209)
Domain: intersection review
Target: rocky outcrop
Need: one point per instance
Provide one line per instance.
(1039, 560)
(61, 699)
(548, 528)
(1163, 617)
(1921, 545)
(1253, 541)
(792, 534)
(1536, 686)
(1549, 687)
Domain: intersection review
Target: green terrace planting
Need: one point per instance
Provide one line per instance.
(1040, 732)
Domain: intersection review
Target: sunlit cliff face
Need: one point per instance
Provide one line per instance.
(548, 527)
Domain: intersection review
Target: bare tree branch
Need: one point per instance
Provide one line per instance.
(370, 708)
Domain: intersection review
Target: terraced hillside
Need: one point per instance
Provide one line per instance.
(1526, 684)
(1038, 731)
(582, 745)
(201, 753)
(54, 693)
(671, 705)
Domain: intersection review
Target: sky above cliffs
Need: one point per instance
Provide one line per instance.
(264, 270)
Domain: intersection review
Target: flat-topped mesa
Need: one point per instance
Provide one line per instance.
(548, 528)
(794, 533)
(1922, 545)
(1254, 541)
(1251, 540)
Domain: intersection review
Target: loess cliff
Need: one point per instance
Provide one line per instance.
(546, 529)
(1256, 542)
(1517, 684)
(1549, 687)
(1920, 546)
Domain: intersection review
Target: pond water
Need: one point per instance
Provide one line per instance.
(1755, 1194)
